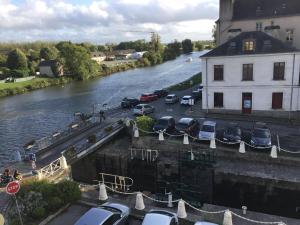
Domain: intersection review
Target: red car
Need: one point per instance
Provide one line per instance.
(148, 97)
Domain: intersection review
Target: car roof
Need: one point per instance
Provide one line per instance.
(157, 218)
(142, 105)
(166, 117)
(209, 123)
(185, 120)
(147, 94)
(187, 96)
(122, 208)
(171, 95)
(95, 216)
(205, 223)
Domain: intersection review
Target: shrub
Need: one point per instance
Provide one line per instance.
(69, 191)
(38, 213)
(54, 203)
(145, 123)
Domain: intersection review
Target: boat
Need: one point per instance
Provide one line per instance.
(189, 59)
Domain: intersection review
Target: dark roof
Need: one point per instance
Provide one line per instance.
(49, 63)
(264, 44)
(252, 9)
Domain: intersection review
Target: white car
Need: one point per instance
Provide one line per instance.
(205, 223)
(186, 100)
(143, 109)
(208, 130)
(160, 217)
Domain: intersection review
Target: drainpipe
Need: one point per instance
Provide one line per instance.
(292, 87)
(206, 77)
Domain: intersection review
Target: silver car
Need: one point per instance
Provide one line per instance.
(205, 223)
(143, 109)
(172, 98)
(106, 214)
(160, 217)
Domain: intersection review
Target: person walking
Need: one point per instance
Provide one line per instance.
(102, 116)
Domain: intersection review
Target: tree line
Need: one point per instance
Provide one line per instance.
(22, 59)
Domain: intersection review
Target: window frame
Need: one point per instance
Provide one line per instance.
(247, 47)
(274, 104)
(245, 76)
(277, 76)
(215, 102)
(216, 75)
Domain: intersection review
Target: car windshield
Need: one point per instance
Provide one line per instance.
(169, 97)
(145, 95)
(207, 128)
(138, 107)
(162, 122)
(261, 133)
(233, 131)
(186, 98)
(182, 126)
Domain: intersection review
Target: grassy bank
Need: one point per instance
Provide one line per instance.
(7, 89)
(196, 79)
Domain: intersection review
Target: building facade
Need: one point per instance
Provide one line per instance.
(278, 18)
(51, 68)
(252, 73)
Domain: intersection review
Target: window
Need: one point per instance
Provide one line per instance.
(218, 100)
(111, 220)
(249, 45)
(290, 35)
(258, 26)
(247, 72)
(279, 68)
(218, 72)
(277, 98)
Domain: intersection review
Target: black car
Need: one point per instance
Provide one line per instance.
(129, 102)
(232, 133)
(166, 123)
(161, 93)
(188, 125)
(261, 137)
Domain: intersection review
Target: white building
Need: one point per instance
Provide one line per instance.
(51, 68)
(252, 73)
(280, 18)
(98, 57)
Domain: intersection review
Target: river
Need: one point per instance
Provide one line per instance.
(40, 113)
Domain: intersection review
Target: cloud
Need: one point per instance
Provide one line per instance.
(104, 20)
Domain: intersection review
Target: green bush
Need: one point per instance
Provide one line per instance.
(54, 203)
(38, 213)
(69, 191)
(145, 123)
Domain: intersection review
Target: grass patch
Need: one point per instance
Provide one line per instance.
(7, 89)
(189, 83)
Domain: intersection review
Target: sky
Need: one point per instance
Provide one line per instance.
(106, 21)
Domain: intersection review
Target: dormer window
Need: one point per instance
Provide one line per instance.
(249, 46)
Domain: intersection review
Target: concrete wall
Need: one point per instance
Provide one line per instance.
(261, 87)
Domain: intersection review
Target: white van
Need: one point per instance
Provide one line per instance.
(207, 130)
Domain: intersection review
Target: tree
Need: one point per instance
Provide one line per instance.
(48, 53)
(3, 59)
(76, 60)
(198, 45)
(187, 46)
(214, 34)
(172, 50)
(16, 60)
(155, 43)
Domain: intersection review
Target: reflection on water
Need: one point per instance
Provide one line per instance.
(40, 113)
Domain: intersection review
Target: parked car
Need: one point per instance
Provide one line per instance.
(197, 95)
(185, 100)
(261, 136)
(204, 223)
(147, 97)
(143, 109)
(172, 98)
(161, 93)
(129, 102)
(200, 87)
(208, 130)
(188, 125)
(160, 217)
(166, 123)
(232, 133)
(108, 214)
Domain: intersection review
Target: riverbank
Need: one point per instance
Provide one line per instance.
(189, 83)
(9, 89)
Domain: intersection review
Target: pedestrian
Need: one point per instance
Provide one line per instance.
(17, 175)
(102, 116)
(6, 177)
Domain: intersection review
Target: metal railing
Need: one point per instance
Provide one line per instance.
(52, 169)
(115, 181)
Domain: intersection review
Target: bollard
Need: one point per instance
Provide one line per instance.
(170, 199)
(181, 213)
(242, 147)
(212, 143)
(274, 152)
(227, 218)
(139, 202)
(244, 208)
(161, 135)
(102, 192)
(136, 132)
(63, 163)
(185, 139)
